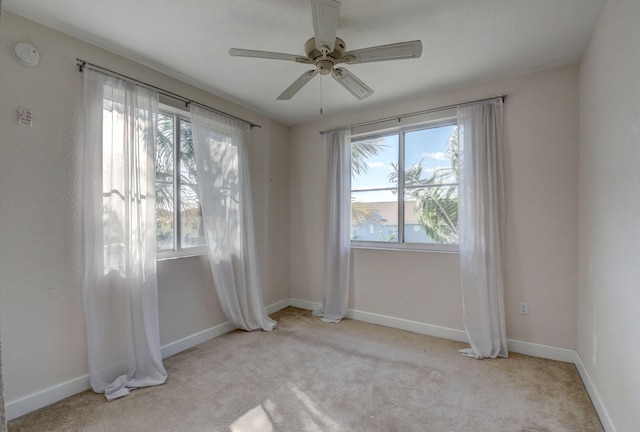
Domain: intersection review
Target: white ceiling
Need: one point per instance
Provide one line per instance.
(464, 42)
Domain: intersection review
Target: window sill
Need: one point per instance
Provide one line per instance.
(446, 249)
(188, 253)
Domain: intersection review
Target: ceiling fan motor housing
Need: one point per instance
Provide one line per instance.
(315, 56)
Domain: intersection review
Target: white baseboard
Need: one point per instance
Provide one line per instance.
(605, 419)
(31, 402)
(542, 351)
(521, 347)
(304, 304)
(42, 398)
(195, 339)
(278, 306)
(528, 348)
(413, 326)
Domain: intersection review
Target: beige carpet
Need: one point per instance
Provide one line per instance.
(311, 376)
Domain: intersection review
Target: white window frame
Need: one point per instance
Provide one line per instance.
(445, 120)
(178, 251)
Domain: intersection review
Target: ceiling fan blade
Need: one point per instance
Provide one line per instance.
(325, 22)
(238, 52)
(396, 51)
(352, 83)
(297, 85)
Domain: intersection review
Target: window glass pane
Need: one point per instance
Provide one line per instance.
(431, 156)
(374, 216)
(164, 216)
(164, 154)
(431, 214)
(191, 229)
(373, 162)
(176, 186)
(164, 148)
(187, 158)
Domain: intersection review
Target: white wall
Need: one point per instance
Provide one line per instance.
(40, 268)
(541, 174)
(609, 269)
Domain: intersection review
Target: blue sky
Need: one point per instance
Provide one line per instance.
(426, 145)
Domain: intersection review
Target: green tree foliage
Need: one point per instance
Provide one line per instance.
(361, 151)
(436, 196)
(164, 163)
(165, 160)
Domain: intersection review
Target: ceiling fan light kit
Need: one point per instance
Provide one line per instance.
(325, 50)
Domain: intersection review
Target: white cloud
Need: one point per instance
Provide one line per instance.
(436, 156)
(432, 170)
(375, 164)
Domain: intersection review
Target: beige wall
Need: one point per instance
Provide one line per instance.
(42, 322)
(541, 169)
(40, 268)
(609, 270)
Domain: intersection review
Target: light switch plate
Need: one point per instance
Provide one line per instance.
(25, 117)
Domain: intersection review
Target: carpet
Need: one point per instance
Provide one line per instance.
(308, 375)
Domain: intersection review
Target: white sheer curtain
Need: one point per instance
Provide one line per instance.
(119, 286)
(221, 146)
(481, 228)
(338, 228)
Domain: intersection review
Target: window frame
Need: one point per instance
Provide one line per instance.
(178, 251)
(400, 244)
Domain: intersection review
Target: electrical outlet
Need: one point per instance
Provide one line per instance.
(524, 308)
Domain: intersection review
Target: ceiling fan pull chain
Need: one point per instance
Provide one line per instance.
(320, 94)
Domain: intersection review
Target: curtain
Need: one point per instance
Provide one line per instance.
(481, 228)
(338, 225)
(221, 146)
(119, 279)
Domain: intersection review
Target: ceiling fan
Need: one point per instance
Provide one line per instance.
(325, 51)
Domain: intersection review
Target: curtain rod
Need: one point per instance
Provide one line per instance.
(416, 113)
(82, 63)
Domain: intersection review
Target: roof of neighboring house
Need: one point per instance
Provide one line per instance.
(388, 212)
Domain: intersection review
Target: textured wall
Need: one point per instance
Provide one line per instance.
(609, 323)
(40, 268)
(541, 175)
(3, 422)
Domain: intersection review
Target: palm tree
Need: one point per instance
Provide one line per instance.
(165, 160)
(435, 197)
(361, 151)
(164, 164)
(437, 208)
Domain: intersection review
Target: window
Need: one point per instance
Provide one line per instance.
(404, 190)
(179, 228)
